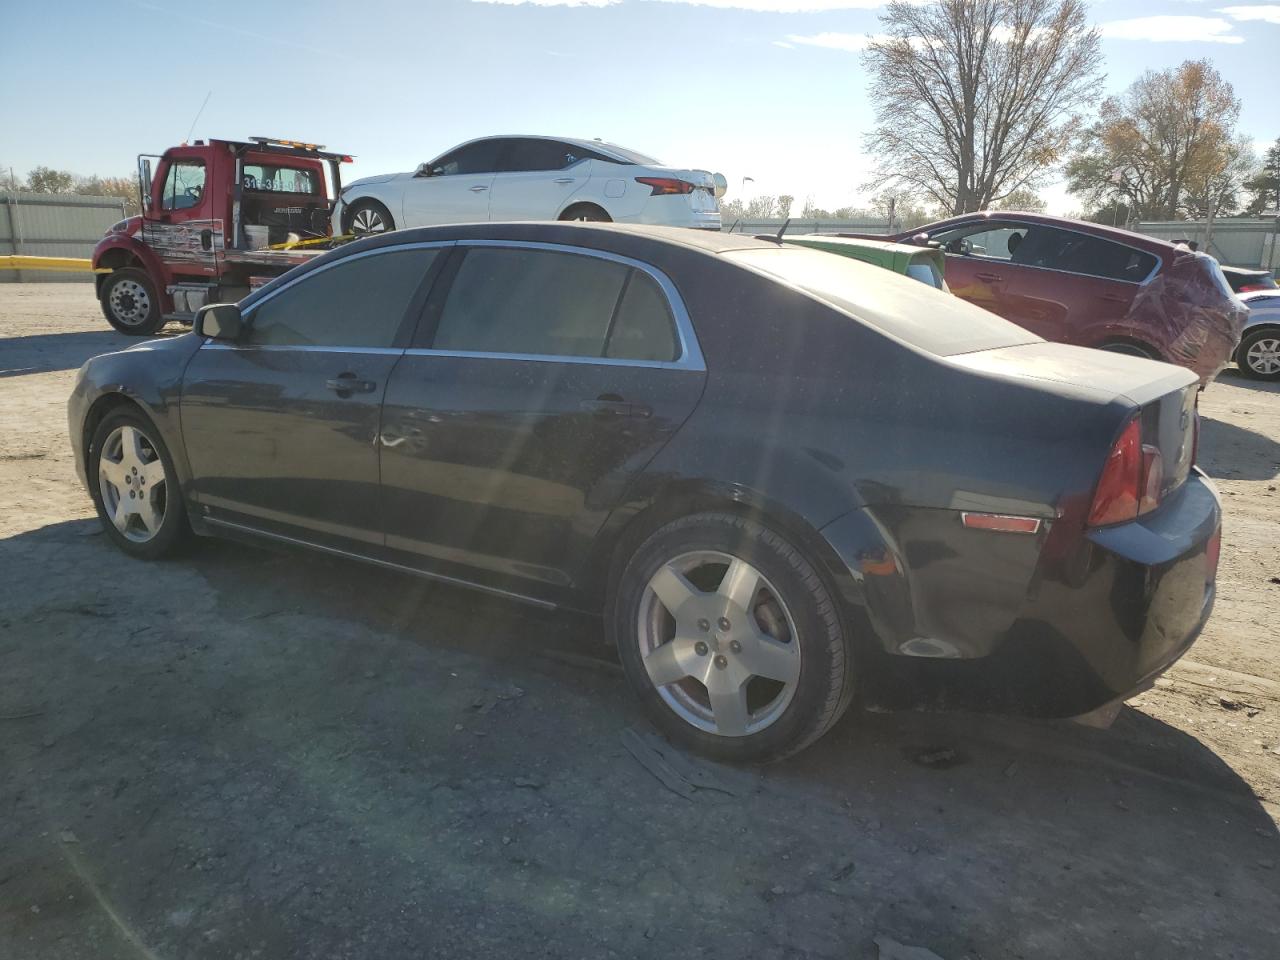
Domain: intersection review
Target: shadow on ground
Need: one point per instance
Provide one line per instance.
(1227, 450)
(245, 753)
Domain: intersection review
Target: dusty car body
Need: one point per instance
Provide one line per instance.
(778, 474)
(1092, 285)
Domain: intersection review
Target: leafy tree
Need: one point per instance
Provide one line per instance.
(1264, 185)
(1028, 201)
(974, 99)
(48, 180)
(122, 188)
(1215, 184)
(1168, 132)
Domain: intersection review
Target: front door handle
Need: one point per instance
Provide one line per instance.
(479, 188)
(988, 277)
(346, 384)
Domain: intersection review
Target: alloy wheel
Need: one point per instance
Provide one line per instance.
(718, 643)
(1263, 356)
(130, 302)
(367, 220)
(133, 485)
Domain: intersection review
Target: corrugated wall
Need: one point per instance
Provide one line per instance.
(1237, 243)
(49, 225)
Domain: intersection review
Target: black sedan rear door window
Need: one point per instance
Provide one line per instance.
(359, 302)
(539, 302)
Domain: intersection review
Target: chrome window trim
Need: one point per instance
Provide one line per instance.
(316, 348)
(690, 357)
(1071, 273)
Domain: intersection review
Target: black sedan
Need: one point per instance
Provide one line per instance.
(788, 480)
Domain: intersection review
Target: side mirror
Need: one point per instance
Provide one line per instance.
(220, 321)
(423, 170)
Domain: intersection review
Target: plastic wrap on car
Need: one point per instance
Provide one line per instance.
(1192, 314)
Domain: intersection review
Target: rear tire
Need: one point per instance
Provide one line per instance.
(130, 304)
(746, 601)
(586, 212)
(1259, 355)
(367, 218)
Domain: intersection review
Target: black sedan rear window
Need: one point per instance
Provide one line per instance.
(914, 312)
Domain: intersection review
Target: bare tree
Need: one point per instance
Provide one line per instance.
(1170, 130)
(974, 98)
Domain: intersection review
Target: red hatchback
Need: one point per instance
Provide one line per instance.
(1096, 286)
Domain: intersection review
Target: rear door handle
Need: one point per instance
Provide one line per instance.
(346, 384)
(988, 277)
(1112, 297)
(612, 405)
(563, 180)
(479, 188)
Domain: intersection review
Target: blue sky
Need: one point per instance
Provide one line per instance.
(770, 89)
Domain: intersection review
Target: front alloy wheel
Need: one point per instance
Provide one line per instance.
(1261, 356)
(133, 485)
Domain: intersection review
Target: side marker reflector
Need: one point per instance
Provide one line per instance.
(1001, 522)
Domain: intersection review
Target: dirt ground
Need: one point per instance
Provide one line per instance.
(245, 754)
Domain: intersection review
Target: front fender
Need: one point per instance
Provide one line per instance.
(122, 249)
(149, 375)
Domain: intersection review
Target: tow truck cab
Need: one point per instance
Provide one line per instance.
(219, 218)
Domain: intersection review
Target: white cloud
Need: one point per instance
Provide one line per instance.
(1267, 13)
(784, 45)
(1171, 30)
(835, 41)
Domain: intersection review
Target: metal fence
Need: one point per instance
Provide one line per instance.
(1235, 242)
(44, 225)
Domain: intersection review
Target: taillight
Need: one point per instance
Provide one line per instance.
(1116, 499)
(665, 186)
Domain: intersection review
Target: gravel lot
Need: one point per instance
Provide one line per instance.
(243, 754)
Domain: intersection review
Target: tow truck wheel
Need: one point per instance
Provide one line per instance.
(130, 303)
(368, 217)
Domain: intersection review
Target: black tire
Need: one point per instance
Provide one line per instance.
(588, 212)
(366, 218)
(824, 688)
(1130, 349)
(1257, 368)
(173, 527)
(130, 303)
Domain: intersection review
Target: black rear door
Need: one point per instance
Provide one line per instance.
(543, 380)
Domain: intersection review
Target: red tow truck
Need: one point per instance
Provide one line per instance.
(219, 218)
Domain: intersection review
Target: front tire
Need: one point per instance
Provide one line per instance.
(368, 218)
(1259, 355)
(130, 304)
(135, 487)
(731, 639)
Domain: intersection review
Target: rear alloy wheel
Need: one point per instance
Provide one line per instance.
(586, 213)
(1259, 355)
(731, 639)
(134, 486)
(368, 217)
(130, 304)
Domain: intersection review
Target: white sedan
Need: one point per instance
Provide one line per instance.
(533, 178)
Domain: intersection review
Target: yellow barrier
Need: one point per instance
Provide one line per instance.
(65, 264)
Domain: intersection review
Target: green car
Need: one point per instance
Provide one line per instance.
(926, 264)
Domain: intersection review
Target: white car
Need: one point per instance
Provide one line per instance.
(533, 178)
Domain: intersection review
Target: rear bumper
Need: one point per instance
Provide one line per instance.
(1096, 623)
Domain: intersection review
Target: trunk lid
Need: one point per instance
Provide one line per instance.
(1162, 395)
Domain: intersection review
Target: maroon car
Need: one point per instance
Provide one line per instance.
(1092, 285)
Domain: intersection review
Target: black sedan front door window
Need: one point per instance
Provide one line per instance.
(281, 427)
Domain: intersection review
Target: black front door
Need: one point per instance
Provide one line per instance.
(549, 380)
(281, 428)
